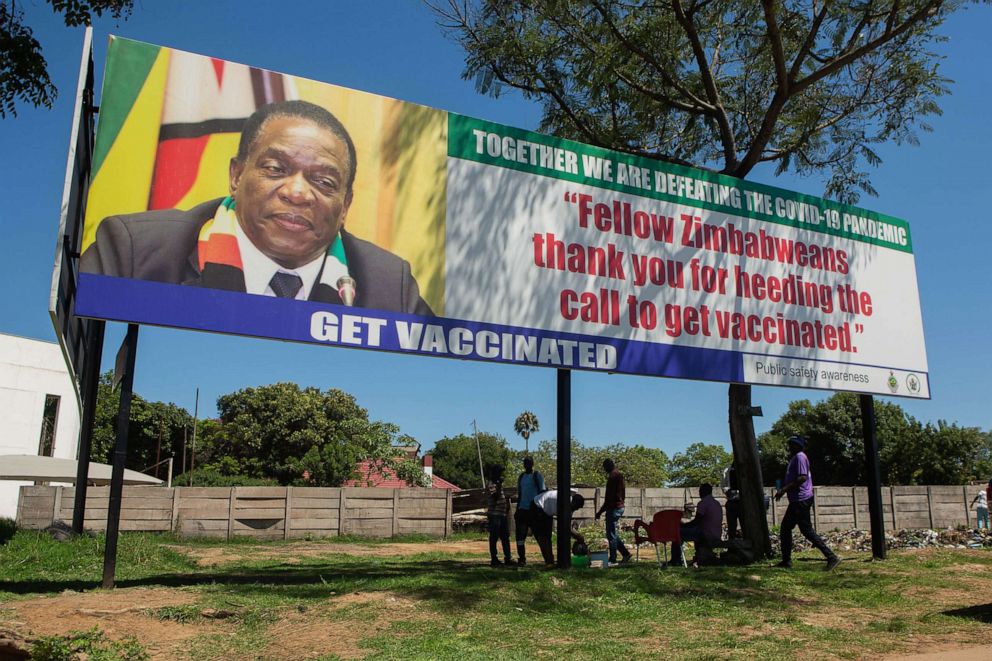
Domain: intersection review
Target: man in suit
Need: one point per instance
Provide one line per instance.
(280, 232)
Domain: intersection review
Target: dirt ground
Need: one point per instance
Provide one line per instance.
(118, 613)
(213, 556)
(308, 633)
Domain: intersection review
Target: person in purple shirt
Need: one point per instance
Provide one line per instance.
(706, 528)
(799, 488)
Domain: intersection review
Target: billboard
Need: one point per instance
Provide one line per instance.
(219, 189)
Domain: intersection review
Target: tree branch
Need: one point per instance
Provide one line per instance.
(807, 46)
(887, 35)
(713, 95)
(775, 41)
(650, 60)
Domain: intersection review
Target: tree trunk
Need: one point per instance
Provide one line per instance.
(748, 466)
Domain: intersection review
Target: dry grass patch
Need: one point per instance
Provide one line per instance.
(213, 556)
(340, 627)
(844, 619)
(119, 612)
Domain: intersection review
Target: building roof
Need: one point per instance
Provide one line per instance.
(441, 483)
(369, 477)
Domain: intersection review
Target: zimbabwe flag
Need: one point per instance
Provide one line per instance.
(169, 124)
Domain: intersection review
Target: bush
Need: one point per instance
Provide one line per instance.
(94, 644)
(213, 478)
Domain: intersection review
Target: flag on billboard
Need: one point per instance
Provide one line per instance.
(206, 103)
(170, 124)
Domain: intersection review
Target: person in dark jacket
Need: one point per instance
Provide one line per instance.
(613, 503)
(498, 512)
(279, 233)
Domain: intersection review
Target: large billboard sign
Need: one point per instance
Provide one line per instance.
(219, 189)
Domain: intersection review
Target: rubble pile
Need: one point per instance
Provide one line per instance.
(470, 521)
(860, 540)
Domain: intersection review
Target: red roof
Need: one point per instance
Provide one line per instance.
(441, 483)
(368, 477)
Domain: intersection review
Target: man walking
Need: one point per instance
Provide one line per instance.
(529, 484)
(613, 508)
(799, 487)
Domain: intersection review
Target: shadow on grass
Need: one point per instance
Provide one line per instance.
(448, 584)
(981, 613)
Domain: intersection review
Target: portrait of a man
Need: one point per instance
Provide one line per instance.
(281, 230)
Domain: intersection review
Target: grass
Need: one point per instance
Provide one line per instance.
(429, 604)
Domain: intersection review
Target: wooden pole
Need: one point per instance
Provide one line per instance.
(90, 388)
(478, 448)
(748, 465)
(874, 475)
(120, 457)
(564, 468)
(192, 453)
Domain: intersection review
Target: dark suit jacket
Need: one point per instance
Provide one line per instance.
(162, 246)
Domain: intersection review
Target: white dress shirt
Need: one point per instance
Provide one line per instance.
(259, 269)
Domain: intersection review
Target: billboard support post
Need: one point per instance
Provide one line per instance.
(90, 387)
(874, 476)
(564, 468)
(120, 455)
(748, 466)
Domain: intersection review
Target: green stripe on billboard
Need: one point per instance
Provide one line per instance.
(525, 151)
(128, 64)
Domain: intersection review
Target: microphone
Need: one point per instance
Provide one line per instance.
(346, 289)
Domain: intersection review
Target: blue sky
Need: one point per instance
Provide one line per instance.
(394, 48)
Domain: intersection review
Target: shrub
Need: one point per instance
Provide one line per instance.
(94, 644)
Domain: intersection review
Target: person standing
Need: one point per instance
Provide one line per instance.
(498, 513)
(799, 488)
(613, 501)
(529, 484)
(982, 509)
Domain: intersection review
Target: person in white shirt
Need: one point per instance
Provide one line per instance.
(982, 509)
(543, 512)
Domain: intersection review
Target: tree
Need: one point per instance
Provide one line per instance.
(806, 86)
(954, 454)
(281, 430)
(909, 451)
(25, 72)
(266, 435)
(834, 433)
(699, 463)
(456, 458)
(525, 425)
(641, 466)
(155, 429)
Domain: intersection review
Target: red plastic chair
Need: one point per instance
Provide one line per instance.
(663, 529)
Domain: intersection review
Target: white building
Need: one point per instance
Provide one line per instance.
(39, 412)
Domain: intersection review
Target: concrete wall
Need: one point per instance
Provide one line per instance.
(30, 370)
(257, 512)
(837, 508)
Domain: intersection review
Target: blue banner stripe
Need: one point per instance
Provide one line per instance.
(143, 302)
